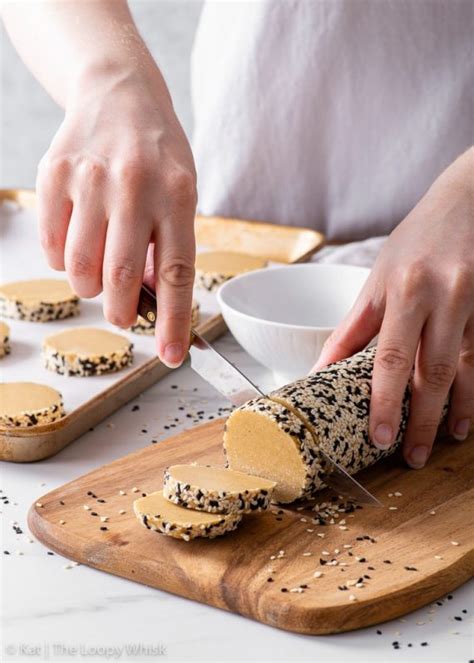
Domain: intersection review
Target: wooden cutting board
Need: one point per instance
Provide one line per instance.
(422, 549)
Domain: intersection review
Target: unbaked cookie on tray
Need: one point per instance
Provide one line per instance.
(29, 404)
(216, 267)
(86, 351)
(4, 339)
(38, 300)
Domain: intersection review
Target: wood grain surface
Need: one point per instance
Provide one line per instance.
(434, 510)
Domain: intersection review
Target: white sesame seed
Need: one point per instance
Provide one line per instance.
(432, 513)
(303, 520)
(352, 597)
(336, 551)
(104, 519)
(390, 494)
(321, 535)
(398, 493)
(359, 585)
(420, 623)
(307, 554)
(122, 511)
(347, 545)
(135, 489)
(343, 527)
(67, 567)
(62, 522)
(438, 557)
(392, 508)
(39, 505)
(454, 543)
(351, 583)
(86, 507)
(122, 492)
(310, 530)
(342, 522)
(318, 574)
(272, 556)
(325, 552)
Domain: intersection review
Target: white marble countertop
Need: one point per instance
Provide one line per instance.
(54, 611)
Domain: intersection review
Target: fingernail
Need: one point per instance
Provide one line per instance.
(173, 355)
(418, 457)
(461, 429)
(383, 436)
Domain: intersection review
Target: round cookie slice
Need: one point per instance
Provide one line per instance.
(215, 267)
(86, 351)
(216, 489)
(157, 513)
(4, 339)
(29, 404)
(145, 327)
(39, 300)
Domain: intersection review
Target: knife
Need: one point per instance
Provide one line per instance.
(226, 378)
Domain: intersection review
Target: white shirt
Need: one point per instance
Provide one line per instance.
(331, 114)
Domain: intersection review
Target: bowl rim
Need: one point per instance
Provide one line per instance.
(272, 323)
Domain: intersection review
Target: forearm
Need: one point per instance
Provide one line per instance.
(67, 42)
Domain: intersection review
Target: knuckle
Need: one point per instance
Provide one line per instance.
(55, 166)
(81, 265)
(182, 184)
(426, 426)
(438, 374)
(467, 357)
(393, 359)
(131, 172)
(177, 272)
(92, 170)
(123, 274)
(412, 279)
(461, 283)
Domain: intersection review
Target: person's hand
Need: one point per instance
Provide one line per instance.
(419, 298)
(118, 174)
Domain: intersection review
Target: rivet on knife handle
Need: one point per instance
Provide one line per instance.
(147, 308)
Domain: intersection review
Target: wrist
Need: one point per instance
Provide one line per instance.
(120, 81)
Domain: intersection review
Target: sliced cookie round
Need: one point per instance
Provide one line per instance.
(266, 439)
(86, 351)
(38, 300)
(29, 404)
(4, 339)
(215, 267)
(216, 489)
(159, 514)
(145, 327)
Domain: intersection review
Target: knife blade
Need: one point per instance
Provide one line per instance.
(229, 381)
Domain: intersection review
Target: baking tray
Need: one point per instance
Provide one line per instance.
(90, 400)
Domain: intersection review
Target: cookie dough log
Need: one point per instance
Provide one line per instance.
(143, 326)
(215, 267)
(29, 404)
(216, 489)
(86, 351)
(4, 339)
(333, 404)
(40, 300)
(266, 439)
(157, 513)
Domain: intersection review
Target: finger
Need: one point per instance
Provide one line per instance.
(174, 271)
(435, 369)
(394, 358)
(85, 242)
(461, 408)
(149, 273)
(54, 207)
(356, 330)
(126, 246)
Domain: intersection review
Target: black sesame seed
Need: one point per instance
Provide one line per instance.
(104, 528)
(379, 632)
(283, 589)
(50, 553)
(135, 408)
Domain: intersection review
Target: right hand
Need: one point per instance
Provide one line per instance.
(118, 175)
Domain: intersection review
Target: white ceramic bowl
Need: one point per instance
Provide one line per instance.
(282, 315)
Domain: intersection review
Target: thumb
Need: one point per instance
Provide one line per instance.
(357, 329)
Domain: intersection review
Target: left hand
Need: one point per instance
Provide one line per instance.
(419, 298)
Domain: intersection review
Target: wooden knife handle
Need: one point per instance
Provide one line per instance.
(147, 308)
(147, 304)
